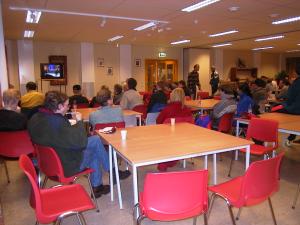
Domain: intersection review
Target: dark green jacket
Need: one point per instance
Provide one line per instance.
(54, 130)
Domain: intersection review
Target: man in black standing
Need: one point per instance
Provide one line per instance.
(193, 81)
(214, 80)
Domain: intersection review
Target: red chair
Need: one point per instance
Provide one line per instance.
(260, 181)
(12, 145)
(264, 130)
(96, 105)
(173, 196)
(187, 98)
(225, 123)
(186, 119)
(217, 97)
(115, 124)
(141, 109)
(202, 95)
(50, 164)
(54, 204)
(82, 105)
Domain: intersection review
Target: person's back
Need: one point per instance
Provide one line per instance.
(131, 97)
(32, 98)
(78, 98)
(292, 104)
(158, 99)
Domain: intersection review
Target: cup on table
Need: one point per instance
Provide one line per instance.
(172, 121)
(123, 134)
(72, 122)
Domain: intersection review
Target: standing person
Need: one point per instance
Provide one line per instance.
(77, 97)
(131, 97)
(214, 80)
(50, 127)
(193, 81)
(10, 117)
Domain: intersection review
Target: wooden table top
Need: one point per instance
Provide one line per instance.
(85, 112)
(201, 104)
(149, 144)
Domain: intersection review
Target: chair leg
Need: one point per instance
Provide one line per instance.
(139, 220)
(37, 223)
(296, 197)
(272, 211)
(92, 193)
(81, 219)
(231, 163)
(195, 220)
(205, 219)
(212, 200)
(239, 213)
(231, 213)
(6, 171)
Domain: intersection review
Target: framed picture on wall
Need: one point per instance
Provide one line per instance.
(60, 59)
(138, 62)
(100, 62)
(109, 71)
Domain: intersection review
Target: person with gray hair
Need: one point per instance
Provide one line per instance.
(10, 117)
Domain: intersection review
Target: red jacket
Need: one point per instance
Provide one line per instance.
(173, 109)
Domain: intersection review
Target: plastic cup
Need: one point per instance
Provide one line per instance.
(72, 122)
(123, 134)
(172, 121)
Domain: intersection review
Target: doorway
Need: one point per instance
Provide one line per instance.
(157, 70)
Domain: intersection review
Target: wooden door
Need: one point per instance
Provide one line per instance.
(160, 70)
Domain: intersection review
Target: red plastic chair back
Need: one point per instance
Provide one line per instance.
(187, 98)
(260, 181)
(186, 119)
(217, 97)
(49, 162)
(225, 123)
(96, 105)
(141, 109)
(116, 124)
(82, 105)
(263, 129)
(202, 95)
(15, 143)
(175, 195)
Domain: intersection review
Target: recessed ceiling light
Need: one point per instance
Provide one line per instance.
(221, 45)
(115, 38)
(196, 21)
(223, 33)
(180, 42)
(28, 33)
(288, 20)
(274, 15)
(199, 5)
(269, 38)
(233, 8)
(298, 44)
(160, 30)
(262, 48)
(294, 50)
(168, 28)
(33, 16)
(145, 26)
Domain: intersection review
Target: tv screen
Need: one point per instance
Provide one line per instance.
(52, 71)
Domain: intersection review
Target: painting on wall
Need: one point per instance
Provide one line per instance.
(100, 62)
(109, 71)
(61, 59)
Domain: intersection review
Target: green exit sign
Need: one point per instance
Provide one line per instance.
(162, 54)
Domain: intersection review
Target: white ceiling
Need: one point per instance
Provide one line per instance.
(252, 20)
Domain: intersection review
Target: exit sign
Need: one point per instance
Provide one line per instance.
(162, 54)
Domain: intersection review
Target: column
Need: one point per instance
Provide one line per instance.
(87, 69)
(218, 62)
(3, 68)
(125, 62)
(257, 61)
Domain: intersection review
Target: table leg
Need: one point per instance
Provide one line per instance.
(135, 185)
(247, 156)
(205, 162)
(237, 134)
(140, 120)
(111, 173)
(118, 180)
(215, 168)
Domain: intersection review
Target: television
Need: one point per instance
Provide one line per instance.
(52, 71)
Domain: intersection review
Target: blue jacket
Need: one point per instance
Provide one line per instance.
(243, 105)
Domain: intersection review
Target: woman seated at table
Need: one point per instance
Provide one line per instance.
(158, 99)
(245, 101)
(227, 104)
(106, 113)
(175, 108)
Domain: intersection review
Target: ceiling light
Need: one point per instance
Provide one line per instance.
(233, 8)
(221, 45)
(33, 16)
(145, 26)
(262, 48)
(294, 50)
(199, 5)
(298, 44)
(269, 38)
(115, 38)
(288, 20)
(223, 33)
(180, 42)
(28, 33)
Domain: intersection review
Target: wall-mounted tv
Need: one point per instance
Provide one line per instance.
(52, 71)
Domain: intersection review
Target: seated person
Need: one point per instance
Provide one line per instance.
(118, 93)
(77, 98)
(182, 84)
(106, 113)
(227, 104)
(175, 108)
(259, 96)
(131, 97)
(32, 100)
(94, 103)
(283, 86)
(49, 127)
(158, 99)
(10, 117)
(245, 102)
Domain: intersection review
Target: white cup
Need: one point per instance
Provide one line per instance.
(123, 134)
(78, 116)
(72, 122)
(172, 121)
